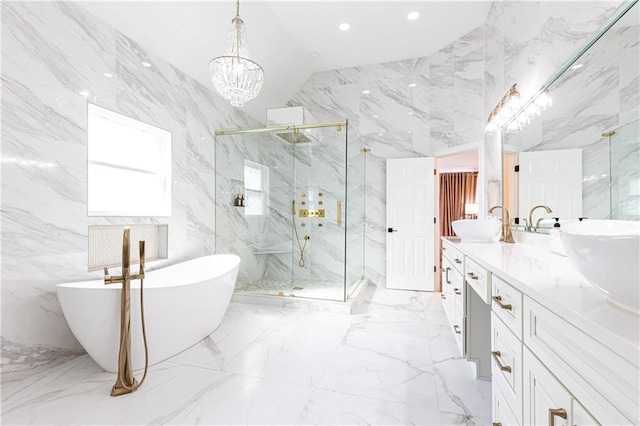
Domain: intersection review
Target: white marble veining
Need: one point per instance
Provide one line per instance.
(266, 365)
(55, 58)
(419, 106)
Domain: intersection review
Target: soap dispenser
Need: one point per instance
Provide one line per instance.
(554, 238)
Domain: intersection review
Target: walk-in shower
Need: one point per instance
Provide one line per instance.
(299, 228)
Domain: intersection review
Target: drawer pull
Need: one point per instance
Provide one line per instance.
(498, 300)
(443, 297)
(496, 357)
(446, 274)
(457, 291)
(457, 260)
(472, 276)
(496, 424)
(456, 328)
(553, 412)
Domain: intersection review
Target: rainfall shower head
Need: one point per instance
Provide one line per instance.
(298, 136)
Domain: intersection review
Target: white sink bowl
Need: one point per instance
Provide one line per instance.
(476, 230)
(607, 253)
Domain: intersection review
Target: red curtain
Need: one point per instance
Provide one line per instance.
(456, 190)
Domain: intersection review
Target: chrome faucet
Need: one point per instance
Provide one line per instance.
(530, 226)
(506, 236)
(125, 382)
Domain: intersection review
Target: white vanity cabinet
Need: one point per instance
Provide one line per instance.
(468, 314)
(452, 292)
(559, 353)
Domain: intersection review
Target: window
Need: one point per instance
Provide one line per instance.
(129, 171)
(256, 189)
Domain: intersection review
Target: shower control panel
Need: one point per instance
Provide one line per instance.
(312, 213)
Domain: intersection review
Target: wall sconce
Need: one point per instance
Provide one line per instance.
(508, 105)
(513, 115)
(471, 209)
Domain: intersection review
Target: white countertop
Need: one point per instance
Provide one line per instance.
(552, 281)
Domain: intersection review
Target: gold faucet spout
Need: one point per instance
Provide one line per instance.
(507, 235)
(530, 223)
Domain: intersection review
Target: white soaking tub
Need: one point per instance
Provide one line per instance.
(183, 304)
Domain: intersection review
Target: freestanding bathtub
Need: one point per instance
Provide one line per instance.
(183, 304)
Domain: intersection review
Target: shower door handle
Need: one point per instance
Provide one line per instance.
(391, 230)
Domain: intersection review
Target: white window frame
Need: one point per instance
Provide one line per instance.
(156, 176)
(262, 193)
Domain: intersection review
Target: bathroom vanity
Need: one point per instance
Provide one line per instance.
(556, 351)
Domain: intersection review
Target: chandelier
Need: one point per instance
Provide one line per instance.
(236, 77)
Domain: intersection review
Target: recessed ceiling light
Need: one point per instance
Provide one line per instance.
(314, 55)
(577, 66)
(344, 26)
(108, 74)
(379, 134)
(375, 116)
(146, 64)
(412, 85)
(410, 112)
(366, 91)
(413, 15)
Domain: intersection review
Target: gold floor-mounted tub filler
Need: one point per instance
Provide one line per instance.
(125, 382)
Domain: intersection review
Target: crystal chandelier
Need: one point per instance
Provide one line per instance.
(236, 77)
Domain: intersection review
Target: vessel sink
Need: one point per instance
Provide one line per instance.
(476, 230)
(606, 253)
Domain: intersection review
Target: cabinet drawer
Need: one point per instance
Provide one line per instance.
(500, 410)
(447, 274)
(453, 255)
(478, 278)
(506, 370)
(506, 302)
(603, 381)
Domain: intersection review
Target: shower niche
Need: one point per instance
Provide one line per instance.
(301, 231)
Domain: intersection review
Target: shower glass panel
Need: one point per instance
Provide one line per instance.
(298, 233)
(625, 174)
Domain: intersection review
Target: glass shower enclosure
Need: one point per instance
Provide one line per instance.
(290, 203)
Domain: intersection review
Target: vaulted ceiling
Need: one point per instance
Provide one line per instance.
(291, 39)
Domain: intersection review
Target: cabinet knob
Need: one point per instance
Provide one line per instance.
(457, 291)
(456, 328)
(472, 276)
(457, 260)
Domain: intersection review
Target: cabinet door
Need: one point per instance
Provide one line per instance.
(546, 401)
(501, 412)
(581, 416)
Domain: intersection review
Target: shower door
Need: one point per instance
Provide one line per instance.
(625, 172)
(290, 228)
(319, 223)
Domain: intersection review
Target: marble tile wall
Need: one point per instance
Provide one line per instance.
(419, 106)
(54, 60)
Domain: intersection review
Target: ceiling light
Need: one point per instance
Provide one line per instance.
(344, 26)
(412, 85)
(146, 64)
(375, 116)
(366, 91)
(577, 66)
(379, 134)
(236, 77)
(410, 112)
(413, 15)
(108, 74)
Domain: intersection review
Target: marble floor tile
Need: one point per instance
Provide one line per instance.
(377, 375)
(347, 409)
(395, 361)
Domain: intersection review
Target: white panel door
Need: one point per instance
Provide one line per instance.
(410, 224)
(544, 396)
(553, 178)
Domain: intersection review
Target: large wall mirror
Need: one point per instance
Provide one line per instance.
(581, 157)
